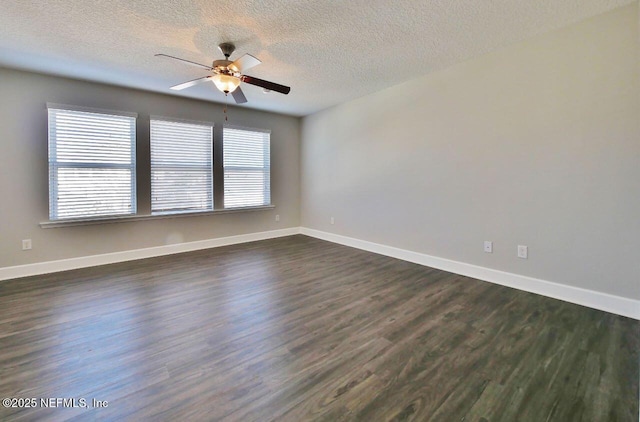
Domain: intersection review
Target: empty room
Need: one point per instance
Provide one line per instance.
(261, 210)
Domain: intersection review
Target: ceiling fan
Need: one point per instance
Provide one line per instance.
(227, 74)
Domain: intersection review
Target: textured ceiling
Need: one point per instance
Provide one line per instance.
(327, 51)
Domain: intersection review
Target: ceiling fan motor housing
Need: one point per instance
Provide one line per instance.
(221, 67)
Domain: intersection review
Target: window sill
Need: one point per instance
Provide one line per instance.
(139, 217)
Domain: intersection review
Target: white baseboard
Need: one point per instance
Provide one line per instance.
(110, 258)
(597, 300)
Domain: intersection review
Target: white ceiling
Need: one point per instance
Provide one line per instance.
(327, 51)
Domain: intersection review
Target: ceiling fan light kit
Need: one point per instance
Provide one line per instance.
(226, 83)
(227, 75)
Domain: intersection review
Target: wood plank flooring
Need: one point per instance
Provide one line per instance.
(298, 329)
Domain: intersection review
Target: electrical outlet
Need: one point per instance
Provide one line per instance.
(332, 220)
(277, 217)
(523, 251)
(26, 244)
(488, 246)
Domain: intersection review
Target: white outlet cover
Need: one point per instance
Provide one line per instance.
(523, 251)
(488, 246)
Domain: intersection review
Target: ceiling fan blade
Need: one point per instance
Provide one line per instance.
(185, 61)
(189, 83)
(238, 95)
(272, 86)
(245, 62)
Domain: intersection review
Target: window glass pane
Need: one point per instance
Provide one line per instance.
(92, 138)
(86, 192)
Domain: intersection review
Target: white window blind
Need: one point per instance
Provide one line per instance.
(92, 164)
(181, 167)
(247, 167)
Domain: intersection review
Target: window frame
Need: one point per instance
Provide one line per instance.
(266, 169)
(54, 164)
(212, 201)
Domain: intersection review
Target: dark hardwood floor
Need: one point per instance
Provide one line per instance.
(298, 329)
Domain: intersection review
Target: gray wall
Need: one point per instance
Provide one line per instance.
(24, 183)
(537, 144)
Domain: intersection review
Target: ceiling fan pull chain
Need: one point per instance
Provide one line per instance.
(226, 117)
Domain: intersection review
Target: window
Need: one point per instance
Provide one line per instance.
(181, 167)
(92, 163)
(246, 160)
